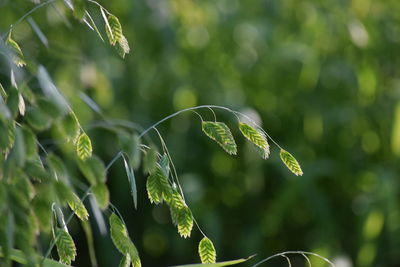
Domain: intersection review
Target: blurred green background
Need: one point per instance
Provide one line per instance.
(323, 76)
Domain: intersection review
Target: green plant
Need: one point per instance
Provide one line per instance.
(37, 186)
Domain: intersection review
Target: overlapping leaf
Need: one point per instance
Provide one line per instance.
(176, 204)
(132, 181)
(290, 162)
(113, 28)
(184, 219)
(17, 155)
(93, 169)
(102, 195)
(37, 118)
(207, 251)
(221, 134)
(30, 142)
(121, 240)
(65, 246)
(125, 261)
(77, 206)
(84, 146)
(257, 137)
(150, 160)
(69, 128)
(122, 46)
(18, 56)
(158, 187)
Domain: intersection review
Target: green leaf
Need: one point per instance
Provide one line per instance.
(42, 205)
(93, 169)
(4, 137)
(7, 230)
(217, 264)
(69, 127)
(20, 257)
(132, 181)
(65, 246)
(102, 195)
(119, 234)
(78, 208)
(23, 186)
(4, 111)
(176, 201)
(34, 168)
(17, 154)
(290, 162)
(184, 219)
(207, 251)
(3, 93)
(264, 153)
(11, 133)
(164, 164)
(180, 213)
(123, 47)
(50, 90)
(90, 241)
(83, 146)
(150, 160)
(158, 187)
(25, 234)
(37, 118)
(50, 108)
(121, 240)
(21, 104)
(113, 29)
(58, 168)
(221, 134)
(30, 143)
(136, 262)
(125, 261)
(18, 56)
(63, 192)
(13, 101)
(257, 137)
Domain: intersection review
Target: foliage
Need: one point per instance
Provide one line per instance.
(220, 133)
(321, 75)
(207, 251)
(65, 246)
(290, 162)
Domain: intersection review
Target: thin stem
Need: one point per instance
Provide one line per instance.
(96, 3)
(236, 113)
(294, 252)
(165, 148)
(116, 157)
(258, 126)
(215, 116)
(161, 141)
(53, 242)
(288, 260)
(307, 259)
(201, 118)
(20, 257)
(115, 210)
(29, 13)
(198, 226)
